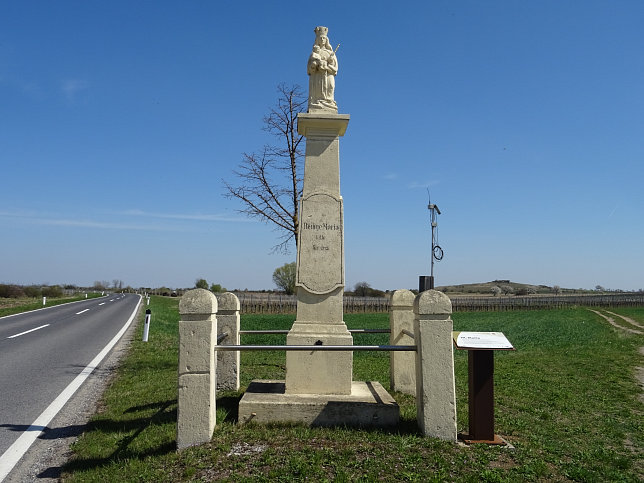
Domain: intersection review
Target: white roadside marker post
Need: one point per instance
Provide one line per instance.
(44, 301)
(146, 327)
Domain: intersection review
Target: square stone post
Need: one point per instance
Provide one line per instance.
(320, 265)
(402, 365)
(196, 413)
(435, 389)
(228, 324)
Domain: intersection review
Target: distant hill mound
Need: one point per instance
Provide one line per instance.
(506, 287)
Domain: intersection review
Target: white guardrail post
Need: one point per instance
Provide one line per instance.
(146, 326)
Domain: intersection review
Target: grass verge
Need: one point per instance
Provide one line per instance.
(566, 399)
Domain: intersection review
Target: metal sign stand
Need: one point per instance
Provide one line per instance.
(480, 370)
(481, 392)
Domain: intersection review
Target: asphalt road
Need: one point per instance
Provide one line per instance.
(42, 352)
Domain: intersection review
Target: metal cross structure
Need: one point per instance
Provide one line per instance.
(437, 251)
(427, 283)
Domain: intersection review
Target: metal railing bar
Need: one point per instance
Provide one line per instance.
(410, 334)
(264, 331)
(370, 331)
(353, 331)
(397, 348)
(222, 337)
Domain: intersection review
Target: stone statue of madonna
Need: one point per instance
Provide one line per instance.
(322, 68)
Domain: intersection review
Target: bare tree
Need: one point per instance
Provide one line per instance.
(101, 285)
(269, 182)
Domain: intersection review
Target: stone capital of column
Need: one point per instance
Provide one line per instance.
(322, 124)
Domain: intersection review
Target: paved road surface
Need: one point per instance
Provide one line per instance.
(42, 353)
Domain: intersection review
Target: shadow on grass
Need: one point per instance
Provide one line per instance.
(159, 405)
(230, 404)
(165, 414)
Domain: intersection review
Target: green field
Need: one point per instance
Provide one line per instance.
(567, 400)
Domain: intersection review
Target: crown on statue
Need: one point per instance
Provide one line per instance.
(321, 31)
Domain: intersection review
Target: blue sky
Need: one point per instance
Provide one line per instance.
(525, 120)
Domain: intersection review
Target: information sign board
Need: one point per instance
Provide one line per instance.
(482, 341)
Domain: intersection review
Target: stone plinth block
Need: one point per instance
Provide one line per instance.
(368, 405)
(322, 124)
(435, 389)
(325, 309)
(318, 372)
(402, 365)
(228, 323)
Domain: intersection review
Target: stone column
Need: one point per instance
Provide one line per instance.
(402, 365)
(197, 391)
(435, 390)
(228, 323)
(320, 265)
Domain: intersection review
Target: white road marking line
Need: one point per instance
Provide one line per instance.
(112, 300)
(82, 311)
(102, 303)
(17, 450)
(27, 331)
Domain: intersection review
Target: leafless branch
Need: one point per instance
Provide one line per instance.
(269, 183)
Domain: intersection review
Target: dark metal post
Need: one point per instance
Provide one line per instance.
(433, 208)
(425, 283)
(481, 397)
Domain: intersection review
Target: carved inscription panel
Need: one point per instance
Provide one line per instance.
(320, 267)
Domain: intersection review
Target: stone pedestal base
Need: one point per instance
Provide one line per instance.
(319, 372)
(368, 405)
